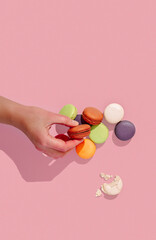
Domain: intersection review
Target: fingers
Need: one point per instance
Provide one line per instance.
(56, 148)
(61, 119)
(53, 153)
(60, 145)
(49, 151)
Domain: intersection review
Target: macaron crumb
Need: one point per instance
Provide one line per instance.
(105, 176)
(112, 188)
(98, 193)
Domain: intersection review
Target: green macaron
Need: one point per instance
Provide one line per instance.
(69, 110)
(99, 133)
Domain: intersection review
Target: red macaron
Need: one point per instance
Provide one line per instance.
(62, 137)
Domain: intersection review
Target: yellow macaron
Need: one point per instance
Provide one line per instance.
(86, 149)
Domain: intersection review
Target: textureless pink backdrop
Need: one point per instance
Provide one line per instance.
(88, 53)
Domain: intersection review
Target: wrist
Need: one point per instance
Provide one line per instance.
(17, 115)
(12, 113)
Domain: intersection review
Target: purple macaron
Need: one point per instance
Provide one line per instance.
(124, 130)
(80, 119)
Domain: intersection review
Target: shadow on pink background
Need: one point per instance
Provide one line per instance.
(32, 165)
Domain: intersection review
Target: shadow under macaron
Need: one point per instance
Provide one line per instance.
(108, 125)
(61, 129)
(80, 160)
(99, 145)
(119, 142)
(110, 197)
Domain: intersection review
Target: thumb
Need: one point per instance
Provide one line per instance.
(61, 119)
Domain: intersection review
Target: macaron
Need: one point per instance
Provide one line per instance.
(114, 113)
(69, 110)
(62, 137)
(79, 132)
(92, 115)
(99, 133)
(125, 130)
(86, 149)
(80, 119)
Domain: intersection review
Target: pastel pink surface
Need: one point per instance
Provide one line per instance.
(46, 49)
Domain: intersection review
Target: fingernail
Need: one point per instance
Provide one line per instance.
(75, 122)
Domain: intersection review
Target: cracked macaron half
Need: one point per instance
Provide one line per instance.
(92, 115)
(79, 131)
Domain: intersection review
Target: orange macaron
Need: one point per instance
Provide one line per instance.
(92, 115)
(86, 149)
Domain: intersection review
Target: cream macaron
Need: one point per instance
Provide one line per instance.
(114, 113)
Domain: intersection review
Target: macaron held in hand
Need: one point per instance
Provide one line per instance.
(79, 131)
(90, 119)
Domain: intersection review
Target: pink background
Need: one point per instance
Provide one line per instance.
(88, 53)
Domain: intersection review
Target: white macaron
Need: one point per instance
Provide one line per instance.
(114, 113)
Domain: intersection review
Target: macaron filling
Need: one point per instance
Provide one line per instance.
(77, 133)
(91, 121)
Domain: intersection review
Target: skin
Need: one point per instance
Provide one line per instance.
(35, 123)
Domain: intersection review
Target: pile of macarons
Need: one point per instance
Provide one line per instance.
(93, 130)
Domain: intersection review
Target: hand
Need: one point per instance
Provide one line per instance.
(36, 124)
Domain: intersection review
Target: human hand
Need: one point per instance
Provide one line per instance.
(36, 123)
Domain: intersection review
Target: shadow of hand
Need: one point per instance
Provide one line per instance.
(32, 165)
